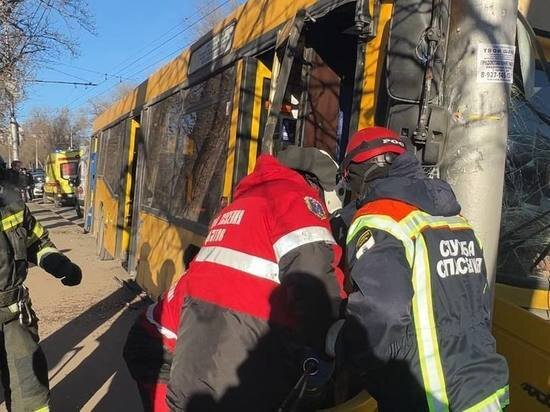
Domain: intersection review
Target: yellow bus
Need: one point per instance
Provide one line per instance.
(275, 72)
(61, 167)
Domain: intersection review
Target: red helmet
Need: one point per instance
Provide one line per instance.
(368, 143)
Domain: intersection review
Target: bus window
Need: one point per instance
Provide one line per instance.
(110, 160)
(186, 153)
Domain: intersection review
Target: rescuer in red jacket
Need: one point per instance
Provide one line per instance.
(151, 341)
(264, 285)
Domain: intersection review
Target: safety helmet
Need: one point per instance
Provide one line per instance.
(317, 163)
(367, 144)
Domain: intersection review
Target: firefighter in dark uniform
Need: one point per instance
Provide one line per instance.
(23, 240)
(417, 325)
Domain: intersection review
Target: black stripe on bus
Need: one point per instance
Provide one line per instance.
(542, 33)
(244, 123)
(525, 282)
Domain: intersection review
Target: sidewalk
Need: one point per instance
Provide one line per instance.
(83, 328)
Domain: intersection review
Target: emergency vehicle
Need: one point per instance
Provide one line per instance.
(61, 169)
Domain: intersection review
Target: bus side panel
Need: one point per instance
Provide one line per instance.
(524, 339)
(160, 253)
(106, 211)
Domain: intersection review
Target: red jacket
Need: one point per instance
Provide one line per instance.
(274, 212)
(276, 226)
(269, 260)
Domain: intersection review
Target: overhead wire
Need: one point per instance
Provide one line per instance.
(162, 35)
(104, 74)
(68, 74)
(179, 49)
(175, 35)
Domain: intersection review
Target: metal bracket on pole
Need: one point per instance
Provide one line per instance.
(433, 37)
(290, 35)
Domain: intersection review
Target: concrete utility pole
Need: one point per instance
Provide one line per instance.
(14, 132)
(478, 80)
(36, 153)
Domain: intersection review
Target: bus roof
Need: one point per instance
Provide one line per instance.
(244, 26)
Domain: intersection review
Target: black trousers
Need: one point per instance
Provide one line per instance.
(23, 368)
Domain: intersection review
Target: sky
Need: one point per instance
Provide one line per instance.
(127, 47)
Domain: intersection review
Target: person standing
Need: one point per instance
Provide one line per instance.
(417, 327)
(29, 184)
(264, 287)
(23, 366)
(150, 344)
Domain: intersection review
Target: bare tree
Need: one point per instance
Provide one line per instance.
(34, 32)
(44, 132)
(211, 12)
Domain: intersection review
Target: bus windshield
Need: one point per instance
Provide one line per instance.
(69, 170)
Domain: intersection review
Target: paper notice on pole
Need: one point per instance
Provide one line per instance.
(495, 63)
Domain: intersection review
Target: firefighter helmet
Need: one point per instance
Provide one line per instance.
(369, 156)
(366, 144)
(312, 161)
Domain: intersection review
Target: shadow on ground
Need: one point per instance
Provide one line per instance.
(100, 357)
(91, 375)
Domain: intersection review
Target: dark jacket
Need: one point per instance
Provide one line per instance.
(418, 326)
(22, 241)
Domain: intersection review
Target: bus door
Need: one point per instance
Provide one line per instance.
(125, 204)
(138, 168)
(252, 107)
(90, 189)
(313, 99)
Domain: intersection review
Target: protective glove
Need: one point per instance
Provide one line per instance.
(62, 268)
(72, 275)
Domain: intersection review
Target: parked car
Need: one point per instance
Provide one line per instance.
(38, 176)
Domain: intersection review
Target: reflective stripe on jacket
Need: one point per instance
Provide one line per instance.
(265, 284)
(420, 309)
(22, 239)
